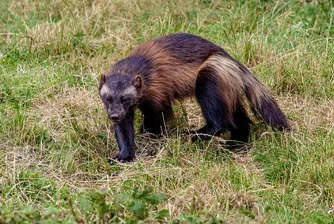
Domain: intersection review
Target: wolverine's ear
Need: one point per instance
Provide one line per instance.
(137, 82)
(102, 80)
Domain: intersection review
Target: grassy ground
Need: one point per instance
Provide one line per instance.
(55, 136)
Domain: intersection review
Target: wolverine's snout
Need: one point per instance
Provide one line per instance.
(116, 115)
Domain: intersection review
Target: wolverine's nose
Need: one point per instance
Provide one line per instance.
(115, 117)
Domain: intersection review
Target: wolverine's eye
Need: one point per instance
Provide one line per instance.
(109, 99)
(125, 99)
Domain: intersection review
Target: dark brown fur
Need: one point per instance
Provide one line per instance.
(183, 65)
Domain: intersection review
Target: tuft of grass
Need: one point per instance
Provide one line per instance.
(55, 137)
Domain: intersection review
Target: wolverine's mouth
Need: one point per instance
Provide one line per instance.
(116, 121)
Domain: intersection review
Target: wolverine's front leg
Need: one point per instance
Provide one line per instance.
(155, 119)
(124, 134)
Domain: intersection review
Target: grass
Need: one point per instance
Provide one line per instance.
(55, 137)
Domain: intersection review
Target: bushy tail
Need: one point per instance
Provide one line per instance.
(236, 80)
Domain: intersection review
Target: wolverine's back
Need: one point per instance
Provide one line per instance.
(175, 60)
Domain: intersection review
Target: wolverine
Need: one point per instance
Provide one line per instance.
(177, 66)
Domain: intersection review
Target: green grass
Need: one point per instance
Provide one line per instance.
(55, 137)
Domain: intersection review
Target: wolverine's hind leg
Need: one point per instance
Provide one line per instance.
(240, 131)
(215, 108)
(205, 133)
(155, 120)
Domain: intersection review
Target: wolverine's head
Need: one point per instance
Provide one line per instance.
(119, 92)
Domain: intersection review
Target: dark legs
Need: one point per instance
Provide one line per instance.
(214, 108)
(221, 112)
(124, 131)
(239, 128)
(240, 132)
(205, 133)
(154, 120)
(124, 134)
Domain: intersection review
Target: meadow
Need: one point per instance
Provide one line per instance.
(55, 137)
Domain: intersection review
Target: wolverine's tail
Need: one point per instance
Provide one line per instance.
(233, 80)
